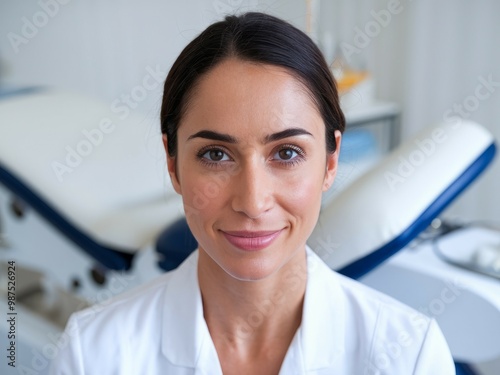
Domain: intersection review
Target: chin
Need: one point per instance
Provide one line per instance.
(253, 269)
(250, 274)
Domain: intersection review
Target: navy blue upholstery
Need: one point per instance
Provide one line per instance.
(175, 244)
(117, 259)
(463, 369)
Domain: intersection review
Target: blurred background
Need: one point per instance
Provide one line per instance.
(401, 66)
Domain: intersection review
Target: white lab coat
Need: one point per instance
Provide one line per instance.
(347, 328)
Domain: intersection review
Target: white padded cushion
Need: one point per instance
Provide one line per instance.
(383, 203)
(119, 194)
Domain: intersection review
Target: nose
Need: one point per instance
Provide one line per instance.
(253, 191)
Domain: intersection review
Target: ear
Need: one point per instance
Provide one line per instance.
(332, 162)
(172, 167)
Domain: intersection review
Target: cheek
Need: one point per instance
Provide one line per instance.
(301, 193)
(202, 196)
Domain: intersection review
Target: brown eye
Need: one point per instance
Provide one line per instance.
(289, 155)
(286, 153)
(214, 155)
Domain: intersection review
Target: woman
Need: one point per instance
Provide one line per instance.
(252, 130)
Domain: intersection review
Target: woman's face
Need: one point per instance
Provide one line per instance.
(251, 166)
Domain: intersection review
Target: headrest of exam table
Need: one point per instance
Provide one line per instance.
(386, 208)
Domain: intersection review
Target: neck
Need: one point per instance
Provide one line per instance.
(248, 314)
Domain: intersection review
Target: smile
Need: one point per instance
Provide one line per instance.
(251, 241)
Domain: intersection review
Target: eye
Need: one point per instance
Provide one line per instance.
(212, 156)
(215, 155)
(288, 153)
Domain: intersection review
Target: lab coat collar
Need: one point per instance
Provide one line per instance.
(320, 336)
(322, 332)
(183, 325)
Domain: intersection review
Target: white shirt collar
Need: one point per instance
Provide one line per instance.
(183, 325)
(317, 343)
(323, 318)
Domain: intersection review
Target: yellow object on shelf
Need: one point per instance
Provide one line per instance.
(349, 79)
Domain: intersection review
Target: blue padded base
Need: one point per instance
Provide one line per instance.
(364, 265)
(175, 244)
(463, 369)
(108, 257)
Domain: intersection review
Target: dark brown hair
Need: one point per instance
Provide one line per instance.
(259, 38)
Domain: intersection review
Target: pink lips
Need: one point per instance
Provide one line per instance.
(251, 241)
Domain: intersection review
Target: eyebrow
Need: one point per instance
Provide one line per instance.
(209, 134)
(290, 132)
(216, 136)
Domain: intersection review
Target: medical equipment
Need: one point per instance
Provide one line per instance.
(56, 152)
(482, 257)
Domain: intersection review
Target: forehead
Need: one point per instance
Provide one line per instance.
(241, 95)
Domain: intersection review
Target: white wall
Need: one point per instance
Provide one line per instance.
(102, 48)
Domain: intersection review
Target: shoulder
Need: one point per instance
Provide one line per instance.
(139, 312)
(124, 334)
(371, 304)
(359, 300)
(390, 336)
(141, 303)
(89, 341)
(128, 307)
(129, 319)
